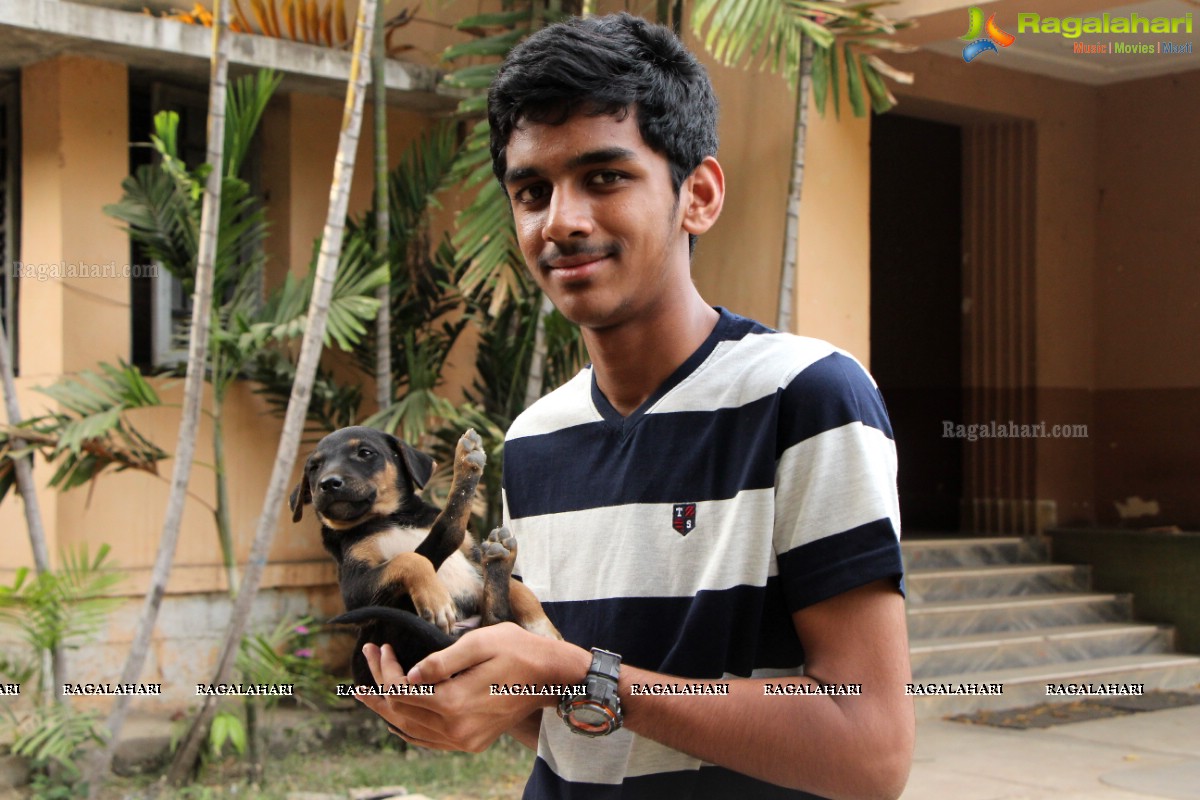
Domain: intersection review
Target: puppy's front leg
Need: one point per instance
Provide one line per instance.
(450, 528)
(411, 574)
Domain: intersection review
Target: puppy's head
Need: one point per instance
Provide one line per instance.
(357, 474)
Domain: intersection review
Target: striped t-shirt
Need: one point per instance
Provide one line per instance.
(758, 480)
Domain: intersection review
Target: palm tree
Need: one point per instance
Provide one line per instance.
(491, 262)
(20, 466)
(23, 475)
(202, 303)
(293, 428)
(383, 325)
(805, 41)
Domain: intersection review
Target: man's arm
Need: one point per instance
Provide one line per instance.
(839, 747)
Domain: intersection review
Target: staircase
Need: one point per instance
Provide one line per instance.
(994, 610)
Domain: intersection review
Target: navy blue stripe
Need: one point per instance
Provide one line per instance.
(829, 393)
(730, 631)
(834, 564)
(706, 783)
(668, 458)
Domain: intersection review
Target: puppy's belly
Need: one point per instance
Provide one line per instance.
(457, 573)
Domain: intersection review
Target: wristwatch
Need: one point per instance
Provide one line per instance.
(596, 712)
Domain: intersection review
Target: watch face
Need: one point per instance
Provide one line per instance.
(590, 716)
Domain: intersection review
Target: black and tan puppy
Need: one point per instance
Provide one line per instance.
(410, 574)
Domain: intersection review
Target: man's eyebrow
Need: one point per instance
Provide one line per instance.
(603, 156)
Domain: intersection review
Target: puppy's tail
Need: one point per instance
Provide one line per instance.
(404, 630)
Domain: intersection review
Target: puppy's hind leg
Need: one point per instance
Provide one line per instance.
(506, 599)
(497, 554)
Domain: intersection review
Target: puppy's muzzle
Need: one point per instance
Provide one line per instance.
(339, 499)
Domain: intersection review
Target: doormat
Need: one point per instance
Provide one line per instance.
(1047, 715)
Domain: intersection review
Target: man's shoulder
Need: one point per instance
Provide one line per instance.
(563, 407)
(762, 360)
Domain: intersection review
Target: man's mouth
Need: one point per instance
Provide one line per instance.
(575, 266)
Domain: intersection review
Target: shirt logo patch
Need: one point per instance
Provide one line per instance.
(683, 518)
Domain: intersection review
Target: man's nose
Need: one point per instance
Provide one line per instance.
(569, 216)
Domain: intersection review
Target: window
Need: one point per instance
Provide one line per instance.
(161, 309)
(10, 220)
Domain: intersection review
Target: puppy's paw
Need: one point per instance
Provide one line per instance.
(434, 605)
(500, 545)
(469, 457)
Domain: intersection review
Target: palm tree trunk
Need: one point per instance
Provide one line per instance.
(193, 391)
(306, 368)
(223, 513)
(383, 323)
(535, 383)
(787, 280)
(23, 467)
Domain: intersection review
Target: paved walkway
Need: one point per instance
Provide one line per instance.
(1144, 756)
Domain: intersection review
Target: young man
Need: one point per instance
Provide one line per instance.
(711, 500)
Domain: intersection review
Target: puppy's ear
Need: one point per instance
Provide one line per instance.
(300, 497)
(418, 465)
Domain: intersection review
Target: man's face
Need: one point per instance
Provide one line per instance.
(596, 217)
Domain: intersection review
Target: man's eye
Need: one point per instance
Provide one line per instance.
(605, 178)
(531, 194)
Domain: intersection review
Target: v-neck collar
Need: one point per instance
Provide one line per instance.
(624, 424)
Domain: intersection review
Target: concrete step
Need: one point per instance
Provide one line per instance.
(1027, 686)
(1028, 648)
(947, 618)
(963, 583)
(974, 552)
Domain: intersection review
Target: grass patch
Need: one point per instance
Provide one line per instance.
(497, 774)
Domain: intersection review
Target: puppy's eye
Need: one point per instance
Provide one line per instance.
(365, 453)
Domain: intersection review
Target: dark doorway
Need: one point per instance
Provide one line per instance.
(916, 309)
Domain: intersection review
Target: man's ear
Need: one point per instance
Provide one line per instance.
(702, 196)
(418, 465)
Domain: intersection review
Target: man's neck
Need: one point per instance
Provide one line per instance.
(632, 360)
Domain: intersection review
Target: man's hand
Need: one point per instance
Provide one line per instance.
(462, 714)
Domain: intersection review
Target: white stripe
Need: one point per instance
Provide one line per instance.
(565, 407)
(607, 759)
(639, 553)
(835, 481)
(740, 372)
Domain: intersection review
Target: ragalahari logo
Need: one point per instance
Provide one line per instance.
(983, 37)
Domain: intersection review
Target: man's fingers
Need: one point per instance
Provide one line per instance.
(374, 702)
(467, 652)
(383, 664)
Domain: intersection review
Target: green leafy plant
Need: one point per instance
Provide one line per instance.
(161, 209)
(50, 610)
(91, 434)
(226, 727)
(283, 656)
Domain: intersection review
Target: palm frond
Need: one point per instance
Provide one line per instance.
(94, 434)
(248, 98)
(771, 35)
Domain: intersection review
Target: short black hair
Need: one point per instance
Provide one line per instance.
(608, 65)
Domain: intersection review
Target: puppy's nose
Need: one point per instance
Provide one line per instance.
(331, 483)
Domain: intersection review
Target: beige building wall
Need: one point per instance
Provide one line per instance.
(74, 135)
